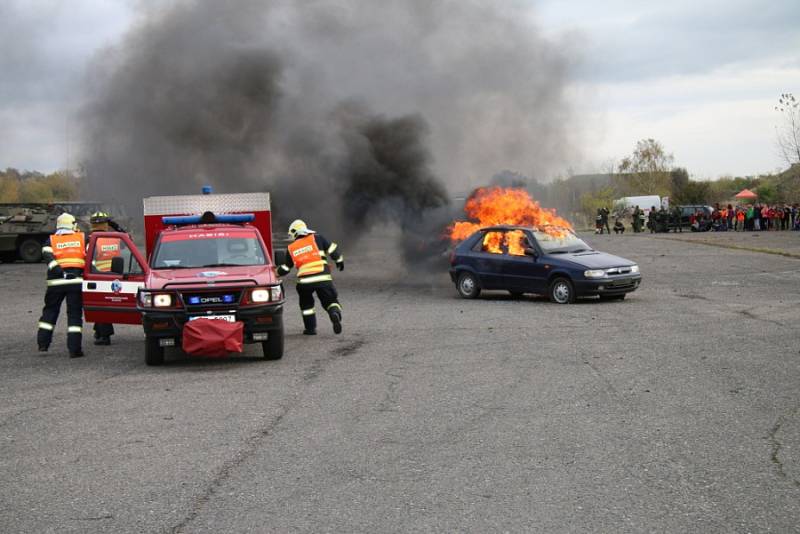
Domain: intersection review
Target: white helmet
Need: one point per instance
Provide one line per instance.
(298, 228)
(65, 221)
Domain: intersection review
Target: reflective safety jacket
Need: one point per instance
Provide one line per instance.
(310, 255)
(106, 249)
(66, 257)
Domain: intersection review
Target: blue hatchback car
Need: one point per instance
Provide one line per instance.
(522, 259)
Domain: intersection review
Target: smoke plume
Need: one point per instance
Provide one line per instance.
(348, 112)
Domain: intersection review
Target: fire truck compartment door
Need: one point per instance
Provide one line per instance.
(110, 297)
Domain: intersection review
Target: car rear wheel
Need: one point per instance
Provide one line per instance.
(153, 352)
(30, 251)
(468, 286)
(273, 346)
(561, 291)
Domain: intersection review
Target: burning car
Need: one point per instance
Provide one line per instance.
(547, 261)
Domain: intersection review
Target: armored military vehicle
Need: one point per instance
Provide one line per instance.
(25, 227)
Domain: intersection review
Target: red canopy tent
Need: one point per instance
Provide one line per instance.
(746, 194)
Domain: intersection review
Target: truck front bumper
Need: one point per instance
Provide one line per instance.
(258, 321)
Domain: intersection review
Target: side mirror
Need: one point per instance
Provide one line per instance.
(530, 252)
(118, 265)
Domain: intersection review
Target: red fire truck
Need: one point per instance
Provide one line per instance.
(206, 283)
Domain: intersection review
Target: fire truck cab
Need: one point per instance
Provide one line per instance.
(206, 282)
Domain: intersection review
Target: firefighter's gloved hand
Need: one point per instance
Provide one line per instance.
(340, 266)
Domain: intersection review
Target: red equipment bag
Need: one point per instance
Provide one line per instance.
(212, 337)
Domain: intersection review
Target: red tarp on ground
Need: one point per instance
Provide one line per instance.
(746, 193)
(212, 337)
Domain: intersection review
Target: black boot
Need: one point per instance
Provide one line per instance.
(78, 354)
(103, 340)
(336, 319)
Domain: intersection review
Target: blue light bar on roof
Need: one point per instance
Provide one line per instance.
(236, 218)
(198, 219)
(177, 221)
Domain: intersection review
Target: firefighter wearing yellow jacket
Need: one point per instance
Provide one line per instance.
(309, 253)
(66, 257)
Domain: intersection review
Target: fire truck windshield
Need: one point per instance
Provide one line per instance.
(216, 251)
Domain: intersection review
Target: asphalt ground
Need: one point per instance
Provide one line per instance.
(676, 410)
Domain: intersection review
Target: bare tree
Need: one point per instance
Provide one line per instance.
(788, 132)
(647, 169)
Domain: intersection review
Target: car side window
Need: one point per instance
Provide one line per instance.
(108, 248)
(494, 243)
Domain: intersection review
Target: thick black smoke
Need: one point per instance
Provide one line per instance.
(349, 112)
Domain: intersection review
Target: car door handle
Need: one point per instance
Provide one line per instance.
(91, 285)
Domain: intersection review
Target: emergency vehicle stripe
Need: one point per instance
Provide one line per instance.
(107, 286)
(334, 305)
(52, 265)
(308, 312)
(312, 279)
(45, 326)
(64, 281)
(74, 329)
(332, 248)
(311, 267)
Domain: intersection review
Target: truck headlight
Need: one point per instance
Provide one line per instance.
(259, 295)
(634, 268)
(162, 300)
(594, 273)
(146, 299)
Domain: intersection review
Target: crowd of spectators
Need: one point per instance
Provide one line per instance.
(748, 218)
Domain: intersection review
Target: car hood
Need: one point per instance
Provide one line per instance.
(260, 274)
(594, 259)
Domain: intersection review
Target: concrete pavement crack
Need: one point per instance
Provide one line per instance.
(777, 446)
(255, 440)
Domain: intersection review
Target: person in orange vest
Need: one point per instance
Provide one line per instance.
(106, 249)
(309, 252)
(66, 256)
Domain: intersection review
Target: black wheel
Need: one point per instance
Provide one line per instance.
(516, 294)
(273, 346)
(153, 352)
(468, 286)
(561, 291)
(612, 297)
(30, 251)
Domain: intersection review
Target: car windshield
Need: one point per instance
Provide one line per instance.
(561, 241)
(219, 251)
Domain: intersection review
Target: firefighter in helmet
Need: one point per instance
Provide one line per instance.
(65, 253)
(309, 252)
(106, 249)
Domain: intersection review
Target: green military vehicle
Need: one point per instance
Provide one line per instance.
(25, 227)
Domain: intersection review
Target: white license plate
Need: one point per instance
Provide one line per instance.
(229, 318)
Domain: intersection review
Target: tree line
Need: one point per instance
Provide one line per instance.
(28, 186)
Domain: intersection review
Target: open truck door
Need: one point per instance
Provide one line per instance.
(114, 272)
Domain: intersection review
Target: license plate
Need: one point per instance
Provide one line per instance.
(229, 318)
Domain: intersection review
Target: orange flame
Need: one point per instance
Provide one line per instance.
(498, 205)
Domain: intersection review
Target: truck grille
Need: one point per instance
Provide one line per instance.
(207, 299)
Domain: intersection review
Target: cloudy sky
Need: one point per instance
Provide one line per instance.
(701, 77)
